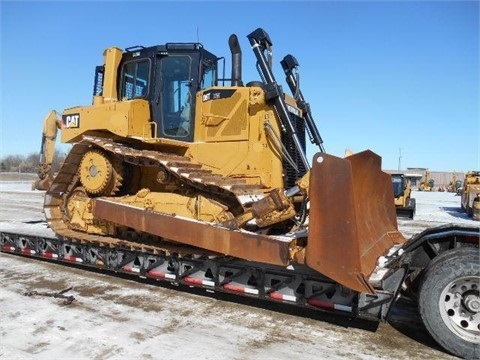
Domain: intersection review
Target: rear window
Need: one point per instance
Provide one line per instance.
(135, 77)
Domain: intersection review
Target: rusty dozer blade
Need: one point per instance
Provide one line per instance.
(352, 218)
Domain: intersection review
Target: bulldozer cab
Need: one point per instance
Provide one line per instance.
(168, 77)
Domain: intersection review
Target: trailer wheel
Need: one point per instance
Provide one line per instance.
(449, 301)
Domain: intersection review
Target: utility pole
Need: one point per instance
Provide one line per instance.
(399, 158)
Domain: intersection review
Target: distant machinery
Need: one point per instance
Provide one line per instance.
(470, 191)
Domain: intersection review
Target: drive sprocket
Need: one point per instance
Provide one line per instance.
(99, 174)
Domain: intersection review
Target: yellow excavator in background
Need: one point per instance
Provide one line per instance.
(455, 185)
(177, 173)
(428, 183)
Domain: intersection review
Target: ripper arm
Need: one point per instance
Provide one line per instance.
(51, 124)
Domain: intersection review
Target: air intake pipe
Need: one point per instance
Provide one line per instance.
(236, 60)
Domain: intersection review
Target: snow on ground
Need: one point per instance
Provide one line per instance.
(117, 318)
(21, 208)
(434, 209)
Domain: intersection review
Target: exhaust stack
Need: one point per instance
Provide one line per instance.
(236, 60)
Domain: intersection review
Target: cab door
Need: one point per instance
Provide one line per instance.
(173, 106)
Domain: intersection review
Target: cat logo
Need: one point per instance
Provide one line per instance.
(206, 97)
(217, 94)
(71, 121)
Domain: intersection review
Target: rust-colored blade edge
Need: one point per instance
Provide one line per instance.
(236, 243)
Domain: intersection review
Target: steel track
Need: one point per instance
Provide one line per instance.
(233, 192)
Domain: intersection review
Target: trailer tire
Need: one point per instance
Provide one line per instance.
(449, 301)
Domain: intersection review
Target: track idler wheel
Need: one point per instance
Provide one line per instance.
(99, 174)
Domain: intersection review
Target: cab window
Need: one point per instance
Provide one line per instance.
(176, 97)
(135, 77)
(209, 76)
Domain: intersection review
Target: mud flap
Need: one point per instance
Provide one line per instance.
(352, 218)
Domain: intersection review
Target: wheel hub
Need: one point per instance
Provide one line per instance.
(93, 171)
(472, 302)
(460, 307)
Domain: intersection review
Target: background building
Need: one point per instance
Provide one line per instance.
(441, 179)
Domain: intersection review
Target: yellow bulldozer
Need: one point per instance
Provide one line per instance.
(180, 174)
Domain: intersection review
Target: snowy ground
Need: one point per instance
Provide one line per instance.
(433, 209)
(118, 318)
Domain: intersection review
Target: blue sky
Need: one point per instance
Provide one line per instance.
(393, 77)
